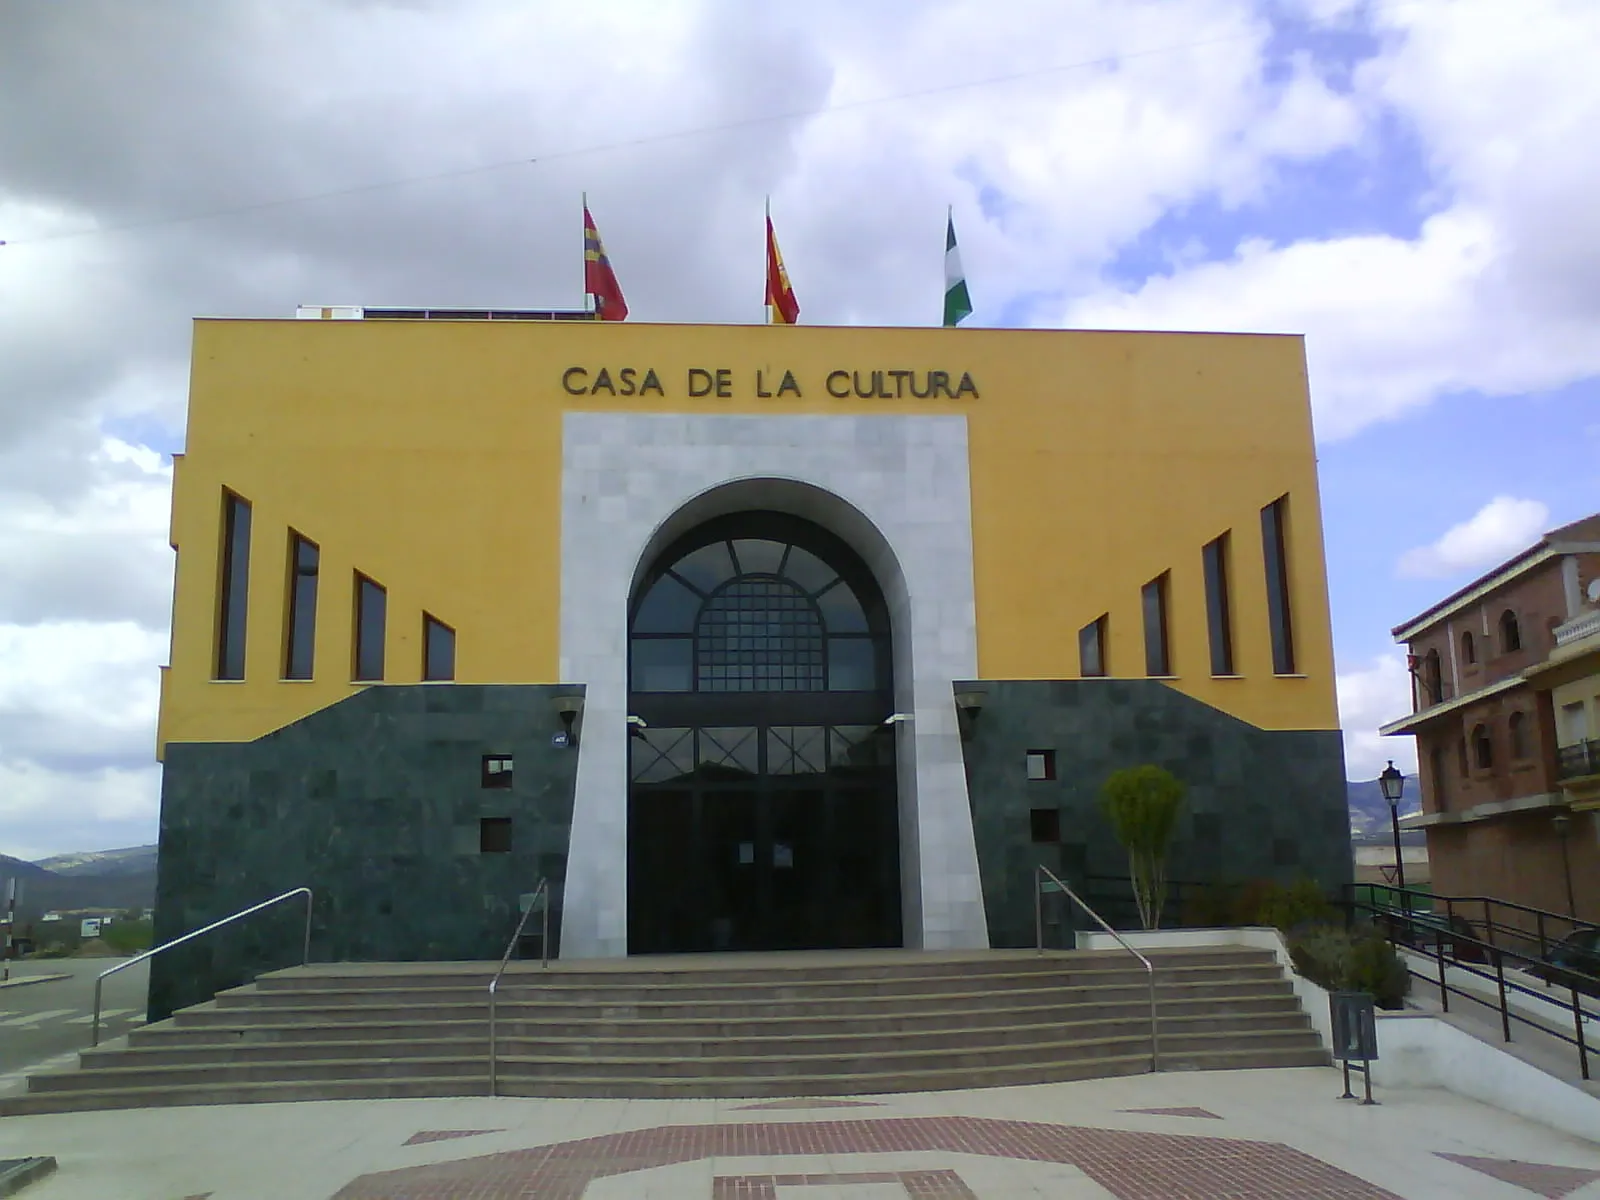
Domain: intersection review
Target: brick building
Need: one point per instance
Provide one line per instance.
(1500, 817)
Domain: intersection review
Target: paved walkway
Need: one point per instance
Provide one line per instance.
(1244, 1135)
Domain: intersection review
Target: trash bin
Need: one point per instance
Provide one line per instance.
(1355, 1036)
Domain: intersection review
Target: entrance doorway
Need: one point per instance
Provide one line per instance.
(762, 805)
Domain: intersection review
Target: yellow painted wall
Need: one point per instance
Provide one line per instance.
(428, 455)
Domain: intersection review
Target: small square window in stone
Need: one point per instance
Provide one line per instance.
(494, 835)
(1041, 764)
(496, 770)
(1044, 824)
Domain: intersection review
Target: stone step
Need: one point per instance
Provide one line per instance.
(629, 1042)
(423, 1027)
(669, 971)
(858, 1059)
(635, 990)
(512, 1006)
(752, 1088)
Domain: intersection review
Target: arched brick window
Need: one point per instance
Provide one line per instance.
(1482, 748)
(1469, 649)
(1432, 678)
(1510, 632)
(1518, 726)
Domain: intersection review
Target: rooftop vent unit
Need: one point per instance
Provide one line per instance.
(351, 312)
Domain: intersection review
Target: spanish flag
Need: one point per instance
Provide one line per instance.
(599, 280)
(782, 307)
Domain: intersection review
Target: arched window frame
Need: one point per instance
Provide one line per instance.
(1432, 678)
(1510, 632)
(1469, 648)
(840, 655)
(1517, 727)
(1482, 748)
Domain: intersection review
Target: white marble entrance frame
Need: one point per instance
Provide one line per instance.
(896, 489)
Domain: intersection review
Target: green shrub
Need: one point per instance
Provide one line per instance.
(1142, 804)
(1286, 908)
(1346, 962)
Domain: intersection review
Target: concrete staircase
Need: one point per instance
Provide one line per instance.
(806, 1024)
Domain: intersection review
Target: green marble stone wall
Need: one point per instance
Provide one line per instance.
(1260, 804)
(374, 803)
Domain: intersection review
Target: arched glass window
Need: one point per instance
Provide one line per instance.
(1510, 632)
(1469, 650)
(1518, 726)
(753, 614)
(1482, 750)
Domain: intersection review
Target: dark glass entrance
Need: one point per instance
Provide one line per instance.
(762, 803)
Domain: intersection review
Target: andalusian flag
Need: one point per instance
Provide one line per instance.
(957, 304)
(782, 306)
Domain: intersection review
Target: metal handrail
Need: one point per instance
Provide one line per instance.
(1388, 918)
(305, 954)
(1150, 970)
(494, 984)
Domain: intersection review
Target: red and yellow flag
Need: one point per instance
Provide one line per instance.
(782, 307)
(599, 280)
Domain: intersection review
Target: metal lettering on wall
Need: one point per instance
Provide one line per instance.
(724, 384)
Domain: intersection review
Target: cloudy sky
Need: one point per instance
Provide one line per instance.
(1409, 184)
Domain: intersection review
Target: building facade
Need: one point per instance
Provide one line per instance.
(1486, 663)
(742, 637)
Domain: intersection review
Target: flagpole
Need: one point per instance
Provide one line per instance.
(766, 261)
(588, 306)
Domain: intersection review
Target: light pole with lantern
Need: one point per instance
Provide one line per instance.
(1393, 784)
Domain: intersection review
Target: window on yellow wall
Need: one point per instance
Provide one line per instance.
(301, 628)
(233, 586)
(1092, 648)
(1274, 548)
(438, 650)
(1219, 614)
(1157, 652)
(371, 611)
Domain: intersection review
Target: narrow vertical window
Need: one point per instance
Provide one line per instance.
(1275, 550)
(1157, 656)
(298, 652)
(234, 586)
(438, 649)
(371, 603)
(1092, 648)
(1219, 615)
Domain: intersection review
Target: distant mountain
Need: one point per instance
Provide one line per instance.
(133, 860)
(116, 879)
(1369, 811)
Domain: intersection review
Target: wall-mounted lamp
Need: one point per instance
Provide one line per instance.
(636, 726)
(969, 703)
(568, 708)
(897, 719)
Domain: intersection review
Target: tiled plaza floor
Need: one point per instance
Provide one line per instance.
(1244, 1135)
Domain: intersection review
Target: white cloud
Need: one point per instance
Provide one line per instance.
(1496, 292)
(1494, 533)
(1369, 697)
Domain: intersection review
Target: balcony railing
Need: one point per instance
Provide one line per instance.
(1580, 627)
(1580, 758)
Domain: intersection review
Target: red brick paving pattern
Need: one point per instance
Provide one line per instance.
(1542, 1179)
(442, 1135)
(1205, 1113)
(918, 1185)
(1129, 1165)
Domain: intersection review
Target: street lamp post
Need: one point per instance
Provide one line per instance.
(1393, 784)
